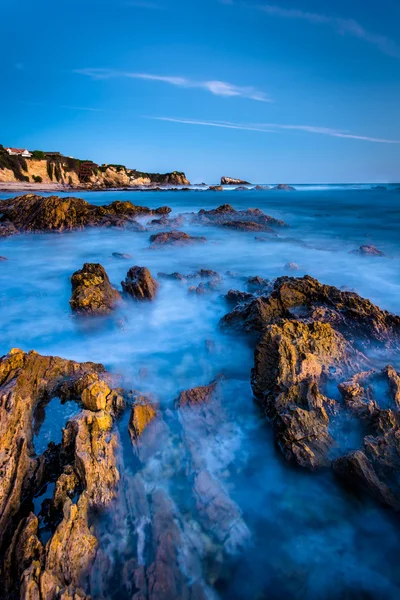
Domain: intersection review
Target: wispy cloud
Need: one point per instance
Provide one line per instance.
(64, 106)
(342, 26)
(275, 127)
(215, 87)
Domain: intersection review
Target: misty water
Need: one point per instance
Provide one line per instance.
(285, 533)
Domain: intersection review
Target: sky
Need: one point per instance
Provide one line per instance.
(294, 91)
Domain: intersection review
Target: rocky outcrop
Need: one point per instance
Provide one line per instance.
(92, 292)
(232, 181)
(174, 238)
(139, 284)
(31, 213)
(197, 395)
(252, 219)
(83, 465)
(143, 412)
(215, 188)
(311, 337)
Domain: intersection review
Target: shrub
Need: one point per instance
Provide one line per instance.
(38, 154)
(37, 178)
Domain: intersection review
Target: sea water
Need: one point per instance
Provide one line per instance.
(295, 534)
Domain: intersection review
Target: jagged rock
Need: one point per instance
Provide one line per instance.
(291, 266)
(139, 284)
(366, 250)
(235, 297)
(252, 218)
(92, 292)
(394, 384)
(290, 361)
(142, 414)
(284, 186)
(205, 288)
(84, 464)
(359, 473)
(305, 297)
(122, 255)
(176, 238)
(255, 284)
(215, 188)
(201, 274)
(172, 276)
(52, 213)
(165, 222)
(246, 226)
(197, 395)
(232, 181)
(94, 397)
(7, 228)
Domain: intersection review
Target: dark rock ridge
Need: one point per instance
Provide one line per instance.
(252, 219)
(312, 336)
(139, 284)
(175, 238)
(32, 213)
(83, 467)
(232, 181)
(201, 274)
(92, 292)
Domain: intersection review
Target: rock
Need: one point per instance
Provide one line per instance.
(232, 181)
(284, 186)
(380, 188)
(164, 222)
(235, 297)
(175, 238)
(139, 284)
(368, 250)
(92, 292)
(7, 228)
(3, 259)
(253, 218)
(197, 395)
(94, 397)
(291, 266)
(242, 188)
(262, 187)
(304, 297)
(52, 213)
(142, 414)
(246, 226)
(172, 276)
(204, 288)
(357, 471)
(215, 188)
(256, 284)
(122, 255)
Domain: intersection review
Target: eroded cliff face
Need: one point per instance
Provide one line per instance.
(73, 172)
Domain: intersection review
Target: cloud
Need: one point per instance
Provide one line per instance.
(342, 26)
(275, 127)
(215, 87)
(64, 106)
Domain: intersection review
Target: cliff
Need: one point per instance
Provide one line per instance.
(62, 170)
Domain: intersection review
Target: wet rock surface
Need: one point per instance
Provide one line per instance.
(252, 219)
(92, 292)
(139, 284)
(31, 213)
(175, 238)
(311, 337)
(368, 250)
(84, 464)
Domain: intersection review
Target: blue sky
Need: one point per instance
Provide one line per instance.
(279, 91)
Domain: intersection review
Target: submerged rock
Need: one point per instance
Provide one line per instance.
(197, 395)
(52, 213)
(246, 226)
(291, 266)
(284, 186)
(92, 292)
(122, 255)
(368, 250)
(176, 238)
(139, 284)
(3, 259)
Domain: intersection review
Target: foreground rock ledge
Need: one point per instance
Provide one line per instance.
(83, 467)
(31, 213)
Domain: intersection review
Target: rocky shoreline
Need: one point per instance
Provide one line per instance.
(313, 368)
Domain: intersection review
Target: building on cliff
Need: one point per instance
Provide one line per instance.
(19, 152)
